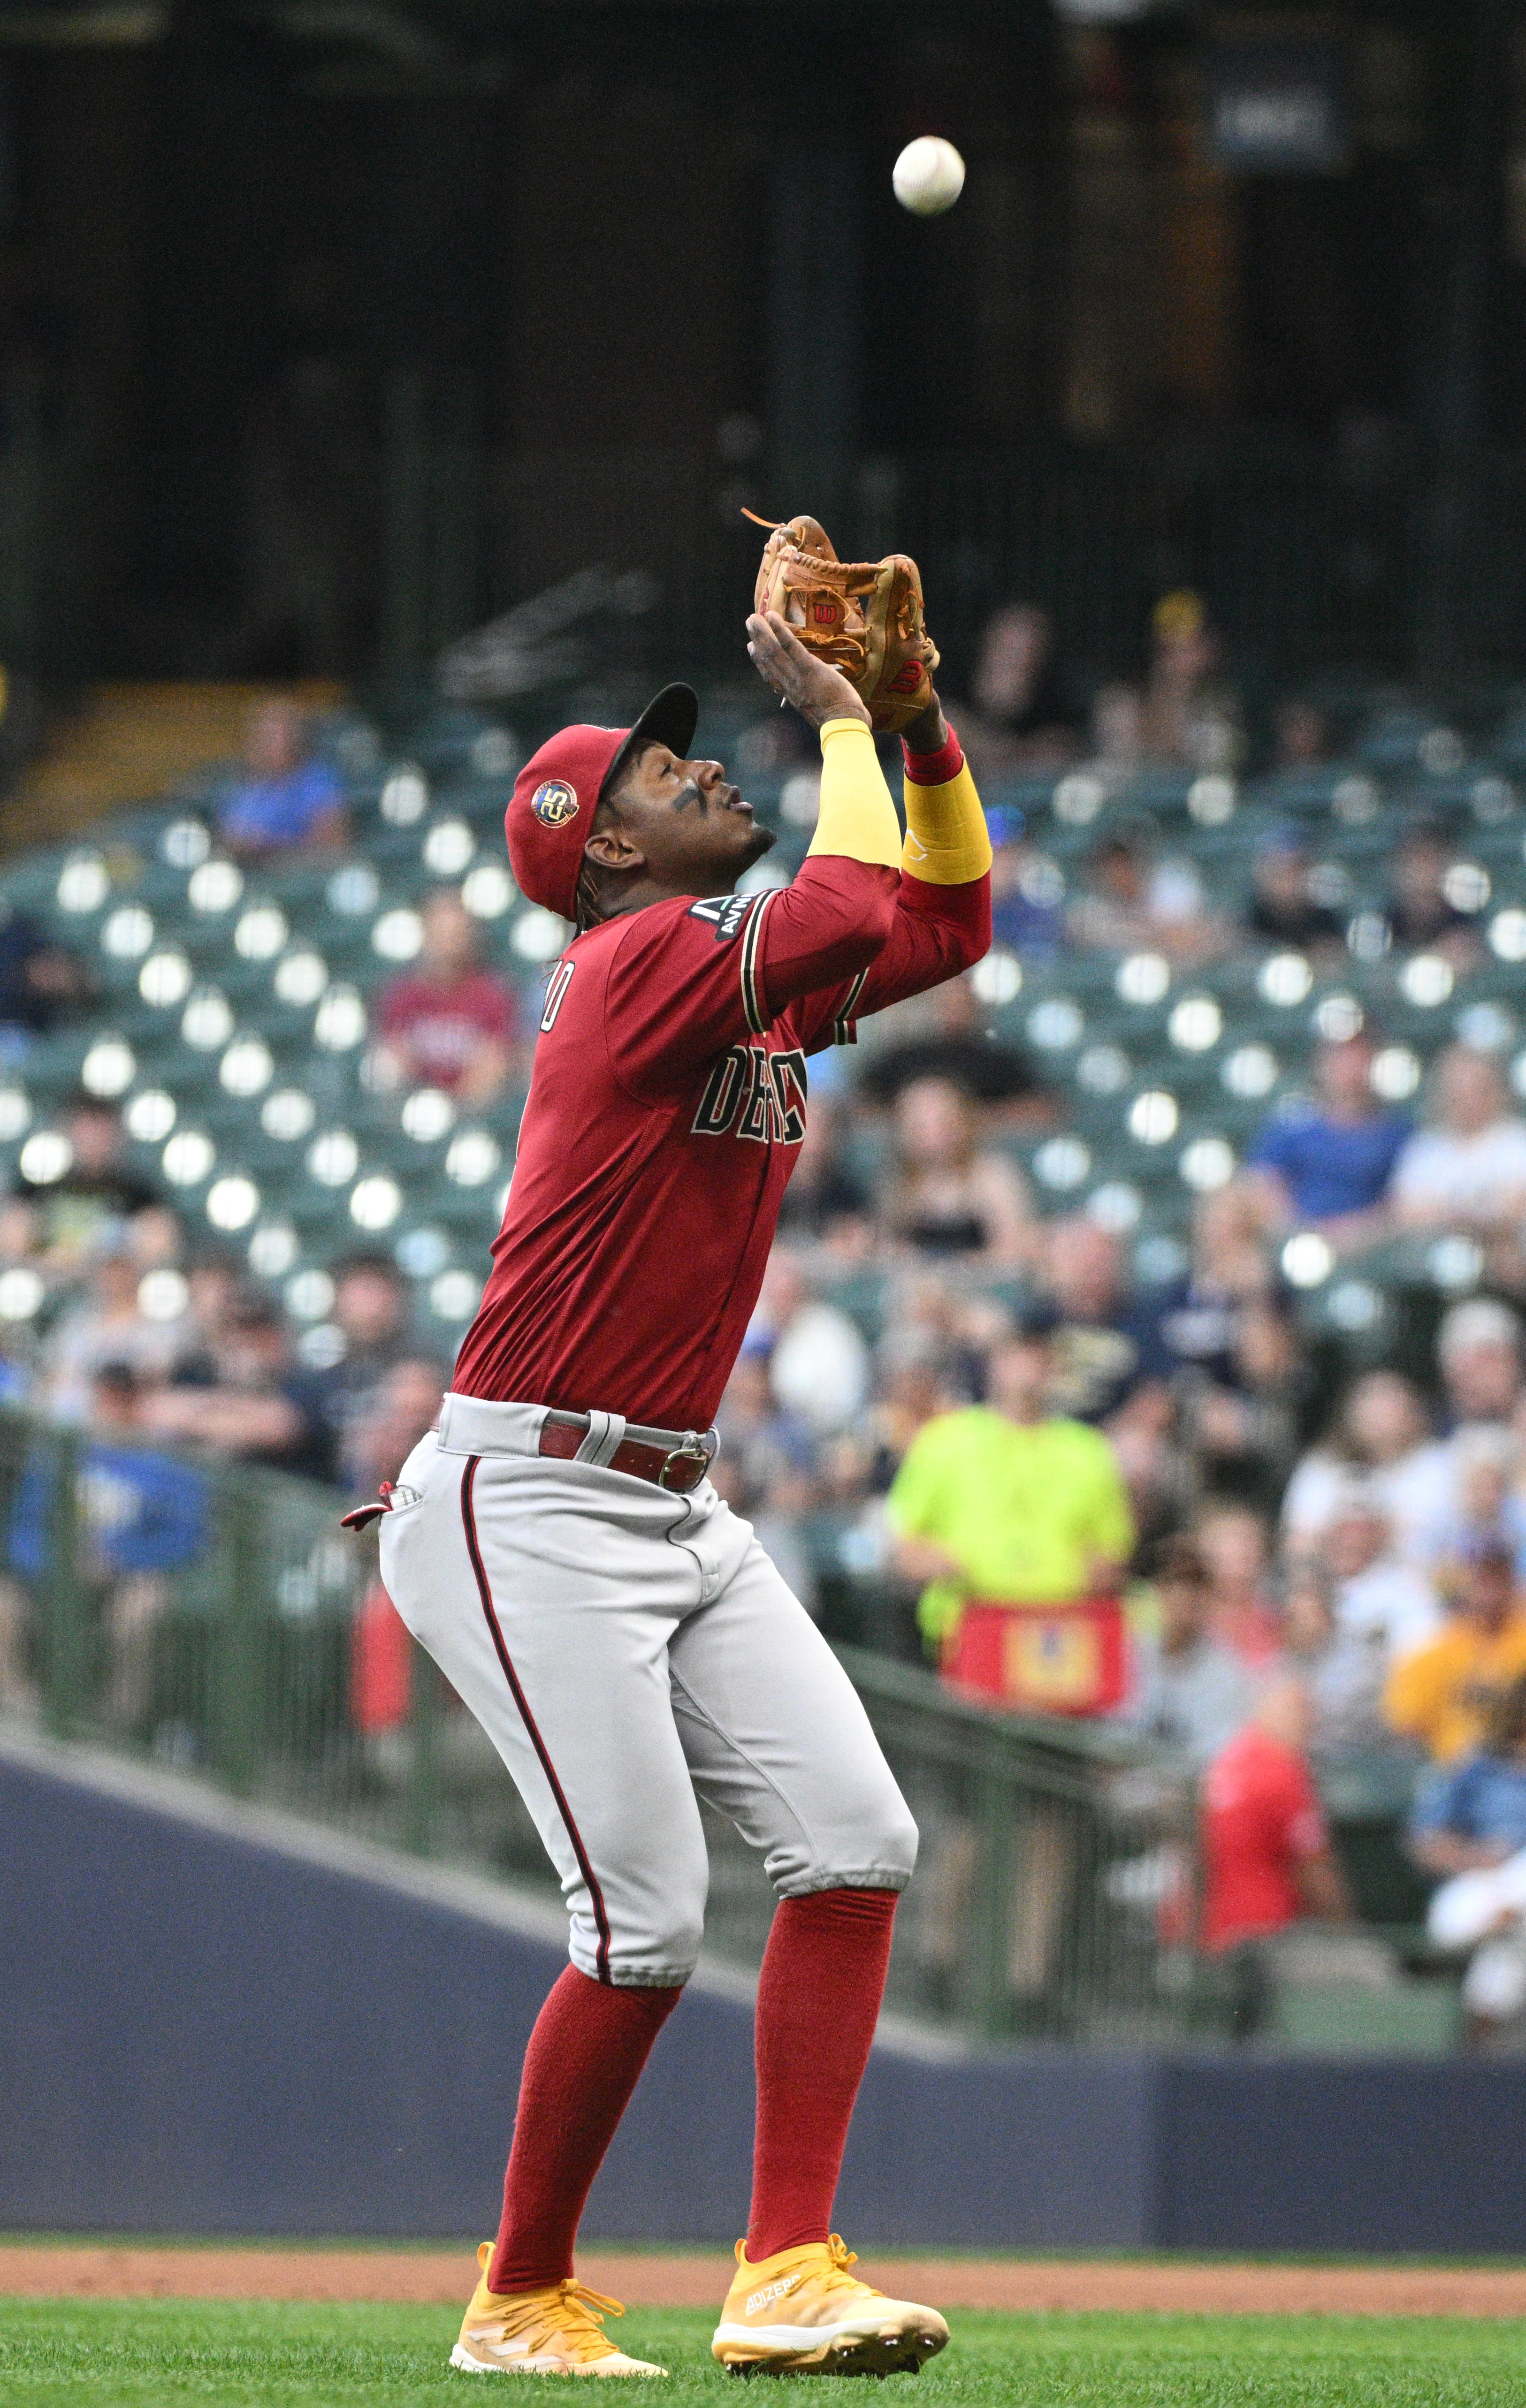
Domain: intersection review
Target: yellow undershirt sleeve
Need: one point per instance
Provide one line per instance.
(858, 816)
(946, 843)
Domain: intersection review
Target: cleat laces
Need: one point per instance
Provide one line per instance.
(572, 2309)
(839, 2278)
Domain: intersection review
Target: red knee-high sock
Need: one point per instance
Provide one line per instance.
(585, 2058)
(818, 1996)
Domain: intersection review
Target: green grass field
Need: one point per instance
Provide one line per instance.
(262, 2355)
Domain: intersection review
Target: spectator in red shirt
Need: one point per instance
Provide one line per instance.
(1267, 1860)
(447, 1021)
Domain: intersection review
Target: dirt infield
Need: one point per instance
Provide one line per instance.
(427, 2277)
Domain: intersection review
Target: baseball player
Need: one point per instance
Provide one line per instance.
(557, 1547)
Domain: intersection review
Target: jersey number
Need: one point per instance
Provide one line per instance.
(561, 979)
(759, 1094)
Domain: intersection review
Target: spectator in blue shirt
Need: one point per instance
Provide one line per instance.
(1471, 1815)
(1028, 892)
(288, 802)
(1469, 1825)
(140, 1516)
(1326, 1162)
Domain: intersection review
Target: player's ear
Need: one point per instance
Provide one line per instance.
(612, 848)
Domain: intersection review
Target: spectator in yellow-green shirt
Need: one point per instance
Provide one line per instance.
(1018, 1523)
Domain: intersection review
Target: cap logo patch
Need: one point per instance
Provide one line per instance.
(554, 803)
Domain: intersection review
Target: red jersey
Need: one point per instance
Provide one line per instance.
(442, 1024)
(665, 1115)
(1261, 1819)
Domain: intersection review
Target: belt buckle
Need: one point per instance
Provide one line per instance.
(693, 1450)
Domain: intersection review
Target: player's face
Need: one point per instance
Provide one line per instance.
(691, 824)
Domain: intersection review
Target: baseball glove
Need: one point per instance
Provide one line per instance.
(863, 618)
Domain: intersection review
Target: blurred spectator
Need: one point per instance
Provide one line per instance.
(1467, 1169)
(105, 1326)
(372, 1308)
(1117, 735)
(1189, 718)
(1327, 1162)
(826, 1203)
(1484, 1507)
(1381, 1434)
(1023, 714)
(1283, 908)
(287, 802)
(914, 1384)
(1478, 1355)
(141, 1517)
(1267, 1860)
(1342, 1672)
(216, 1283)
(1472, 1817)
(955, 1042)
(1301, 734)
(1469, 1825)
(1187, 1693)
(818, 1363)
(55, 1223)
(948, 1194)
(1028, 890)
(765, 1467)
(389, 1419)
(1442, 1695)
(1233, 1541)
(824, 1200)
(1108, 1345)
(250, 1399)
(1419, 916)
(447, 1021)
(1241, 1390)
(1132, 902)
(41, 983)
(1116, 1366)
(1017, 1524)
(1376, 1597)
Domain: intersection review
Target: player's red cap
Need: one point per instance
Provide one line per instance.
(551, 814)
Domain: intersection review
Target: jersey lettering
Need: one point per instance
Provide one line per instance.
(788, 1073)
(560, 980)
(718, 1104)
(725, 912)
(759, 1122)
(754, 1094)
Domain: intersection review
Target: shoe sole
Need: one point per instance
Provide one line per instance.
(466, 2364)
(836, 2354)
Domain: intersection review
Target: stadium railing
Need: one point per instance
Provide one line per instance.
(217, 1619)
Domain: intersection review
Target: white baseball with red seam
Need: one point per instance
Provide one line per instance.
(928, 176)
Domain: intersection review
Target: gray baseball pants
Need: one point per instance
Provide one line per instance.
(625, 1648)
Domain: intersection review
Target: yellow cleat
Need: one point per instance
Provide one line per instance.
(802, 2313)
(556, 2331)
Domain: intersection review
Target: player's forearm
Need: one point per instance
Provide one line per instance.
(946, 842)
(857, 819)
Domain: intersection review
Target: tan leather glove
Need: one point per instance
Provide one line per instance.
(864, 618)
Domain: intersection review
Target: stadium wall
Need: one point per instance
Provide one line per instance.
(217, 2019)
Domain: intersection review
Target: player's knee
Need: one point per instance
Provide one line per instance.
(872, 1847)
(898, 1843)
(666, 1955)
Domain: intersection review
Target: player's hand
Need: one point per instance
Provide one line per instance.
(817, 692)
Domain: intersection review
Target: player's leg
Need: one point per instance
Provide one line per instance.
(778, 1739)
(551, 1618)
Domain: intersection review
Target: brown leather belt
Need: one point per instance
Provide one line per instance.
(672, 1460)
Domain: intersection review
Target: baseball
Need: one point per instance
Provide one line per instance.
(929, 177)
